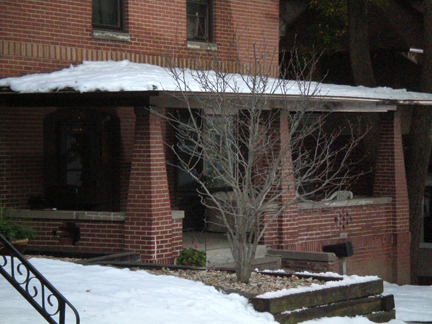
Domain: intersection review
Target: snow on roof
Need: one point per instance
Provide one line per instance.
(113, 76)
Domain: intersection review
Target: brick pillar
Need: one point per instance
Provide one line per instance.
(283, 232)
(149, 226)
(390, 181)
(288, 223)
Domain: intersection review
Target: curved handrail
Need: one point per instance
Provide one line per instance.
(33, 286)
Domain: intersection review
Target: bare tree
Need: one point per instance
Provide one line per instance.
(268, 149)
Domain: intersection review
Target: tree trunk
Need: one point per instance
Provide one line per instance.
(244, 255)
(419, 144)
(361, 64)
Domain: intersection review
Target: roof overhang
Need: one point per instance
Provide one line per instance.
(75, 99)
(168, 99)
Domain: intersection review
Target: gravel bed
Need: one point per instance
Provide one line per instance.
(258, 284)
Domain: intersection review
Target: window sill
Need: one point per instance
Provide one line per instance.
(111, 35)
(201, 45)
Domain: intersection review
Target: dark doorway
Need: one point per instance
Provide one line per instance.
(81, 160)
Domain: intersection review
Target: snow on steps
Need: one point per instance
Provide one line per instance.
(351, 300)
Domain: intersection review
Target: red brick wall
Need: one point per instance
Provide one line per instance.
(367, 227)
(379, 233)
(96, 236)
(21, 155)
(43, 36)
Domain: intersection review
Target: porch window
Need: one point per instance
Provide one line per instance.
(427, 215)
(185, 149)
(199, 20)
(221, 133)
(81, 160)
(108, 14)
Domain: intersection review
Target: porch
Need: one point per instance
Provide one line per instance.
(139, 215)
(218, 252)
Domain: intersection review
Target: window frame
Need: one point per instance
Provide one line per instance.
(121, 17)
(208, 37)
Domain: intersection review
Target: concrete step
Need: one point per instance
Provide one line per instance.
(263, 263)
(217, 256)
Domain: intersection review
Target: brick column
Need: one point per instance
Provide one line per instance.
(390, 180)
(149, 226)
(283, 233)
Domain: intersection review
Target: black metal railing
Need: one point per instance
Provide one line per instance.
(33, 286)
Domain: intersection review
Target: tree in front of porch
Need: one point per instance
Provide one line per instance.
(254, 152)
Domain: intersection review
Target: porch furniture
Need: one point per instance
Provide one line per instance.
(340, 195)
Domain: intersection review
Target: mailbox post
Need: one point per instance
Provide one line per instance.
(342, 252)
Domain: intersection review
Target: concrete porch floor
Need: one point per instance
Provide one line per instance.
(218, 251)
(204, 241)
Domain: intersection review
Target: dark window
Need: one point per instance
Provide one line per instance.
(199, 20)
(81, 160)
(108, 14)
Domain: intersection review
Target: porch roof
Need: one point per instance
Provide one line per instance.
(124, 83)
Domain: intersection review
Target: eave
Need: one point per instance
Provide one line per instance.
(77, 99)
(72, 98)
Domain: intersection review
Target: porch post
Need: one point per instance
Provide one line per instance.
(283, 233)
(390, 181)
(288, 232)
(149, 226)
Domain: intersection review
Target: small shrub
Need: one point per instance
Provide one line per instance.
(12, 230)
(192, 257)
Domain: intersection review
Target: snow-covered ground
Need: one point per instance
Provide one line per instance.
(105, 295)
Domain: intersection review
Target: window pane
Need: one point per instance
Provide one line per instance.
(198, 20)
(221, 131)
(106, 13)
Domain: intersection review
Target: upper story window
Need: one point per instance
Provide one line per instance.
(199, 20)
(108, 14)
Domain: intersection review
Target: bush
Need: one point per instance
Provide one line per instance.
(12, 230)
(192, 257)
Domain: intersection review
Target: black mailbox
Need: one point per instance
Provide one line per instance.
(342, 250)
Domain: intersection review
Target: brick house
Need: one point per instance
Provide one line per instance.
(119, 194)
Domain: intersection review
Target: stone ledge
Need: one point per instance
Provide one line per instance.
(344, 203)
(69, 215)
(304, 256)
(79, 215)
